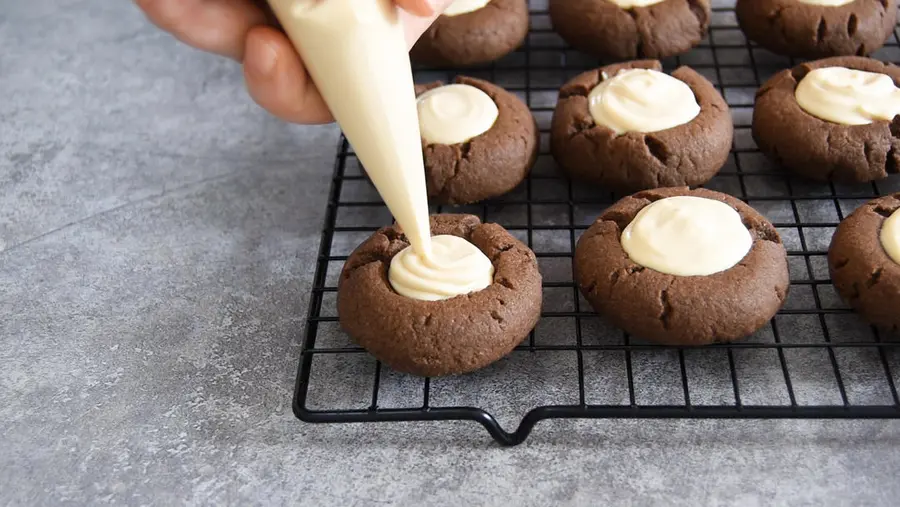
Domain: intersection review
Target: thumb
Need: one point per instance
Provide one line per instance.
(278, 81)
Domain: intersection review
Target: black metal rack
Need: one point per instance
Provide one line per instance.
(815, 359)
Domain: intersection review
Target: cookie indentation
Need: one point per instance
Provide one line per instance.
(657, 149)
(874, 277)
(852, 25)
(666, 308)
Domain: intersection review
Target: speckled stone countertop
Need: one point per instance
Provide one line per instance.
(157, 243)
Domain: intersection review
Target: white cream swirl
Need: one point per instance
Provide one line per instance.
(464, 6)
(454, 267)
(642, 100)
(455, 113)
(687, 236)
(847, 96)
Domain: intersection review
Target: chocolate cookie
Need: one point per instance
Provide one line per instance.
(861, 270)
(473, 38)
(486, 166)
(456, 335)
(603, 29)
(792, 28)
(681, 310)
(819, 149)
(689, 154)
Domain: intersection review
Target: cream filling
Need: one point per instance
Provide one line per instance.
(455, 267)
(642, 100)
(455, 113)
(848, 97)
(687, 236)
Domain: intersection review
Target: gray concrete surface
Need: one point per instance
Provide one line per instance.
(157, 242)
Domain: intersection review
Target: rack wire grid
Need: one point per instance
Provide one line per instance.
(815, 359)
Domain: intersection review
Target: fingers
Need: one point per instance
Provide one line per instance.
(275, 75)
(278, 81)
(419, 15)
(217, 26)
(417, 7)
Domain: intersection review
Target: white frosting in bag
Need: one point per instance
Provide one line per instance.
(356, 53)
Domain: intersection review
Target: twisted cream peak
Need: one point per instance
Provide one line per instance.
(847, 96)
(687, 236)
(628, 4)
(890, 236)
(454, 267)
(463, 6)
(455, 113)
(826, 3)
(642, 100)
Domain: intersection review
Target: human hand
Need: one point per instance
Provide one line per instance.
(244, 30)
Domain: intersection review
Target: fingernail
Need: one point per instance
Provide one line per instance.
(261, 56)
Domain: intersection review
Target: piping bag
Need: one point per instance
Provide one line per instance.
(355, 51)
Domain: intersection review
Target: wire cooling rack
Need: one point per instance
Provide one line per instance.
(815, 359)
